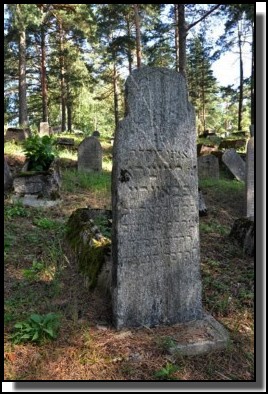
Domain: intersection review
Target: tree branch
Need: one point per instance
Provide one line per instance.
(203, 17)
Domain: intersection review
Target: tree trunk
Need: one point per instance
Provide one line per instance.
(116, 97)
(138, 34)
(43, 75)
(182, 41)
(240, 103)
(63, 82)
(129, 55)
(176, 35)
(252, 78)
(69, 116)
(203, 97)
(23, 117)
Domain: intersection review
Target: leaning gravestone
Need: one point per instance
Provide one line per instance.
(156, 268)
(90, 155)
(43, 128)
(235, 164)
(208, 167)
(250, 178)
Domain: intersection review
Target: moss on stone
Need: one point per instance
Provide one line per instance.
(90, 252)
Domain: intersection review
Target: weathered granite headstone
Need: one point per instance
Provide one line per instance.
(235, 164)
(208, 167)
(90, 155)
(250, 178)
(43, 128)
(156, 268)
(8, 180)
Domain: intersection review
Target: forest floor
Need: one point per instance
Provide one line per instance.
(41, 279)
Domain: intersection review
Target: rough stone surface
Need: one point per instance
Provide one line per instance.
(45, 184)
(199, 337)
(43, 128)
(156, 267)
(8, 180)
(234, 163)
(243, 231)
(250, 178)
(208, 167)
(90, 155)
(96, 133)
(232, 144)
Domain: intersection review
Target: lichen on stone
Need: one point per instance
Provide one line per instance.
(89, 246)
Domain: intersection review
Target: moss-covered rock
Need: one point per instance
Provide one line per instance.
(90, 247)
(243, 232)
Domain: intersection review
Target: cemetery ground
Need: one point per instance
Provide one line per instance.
(41, 279)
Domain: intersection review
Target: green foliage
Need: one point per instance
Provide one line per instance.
(15, 210)
(46, 223)
(40, 152)
(167, 372)
(33, 272)
(36, 328)
(100, 182)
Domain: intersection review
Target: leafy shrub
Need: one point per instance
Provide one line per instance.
(36, 328)
(40, 151)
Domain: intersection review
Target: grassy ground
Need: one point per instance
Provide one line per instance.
(40, 279)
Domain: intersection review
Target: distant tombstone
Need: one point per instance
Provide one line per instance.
(208, 167)
(16, 134)
(156, 267)
(44, 128)
(234, 163)
(96, 133)
(90, 155)
(55, 129)
(250, 178)
(65, 141)
(8, 180)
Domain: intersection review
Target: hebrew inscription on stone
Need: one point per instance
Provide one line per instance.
(156, 268)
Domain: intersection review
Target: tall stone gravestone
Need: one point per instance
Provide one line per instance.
(8, 180)
(90, 155)
(156, 270)
(250, 178)
(43, 129)
(235, 164)
(208, 167)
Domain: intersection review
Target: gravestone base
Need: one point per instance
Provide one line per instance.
(198, 337)
(30, 200)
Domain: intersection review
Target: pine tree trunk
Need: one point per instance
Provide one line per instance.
(23, 117)
(182, 41)
(177, 35)
(252, 78)
(129, 56)
(240, 103)
(43, 76)
(116, 97)
(138, 34)
(63, 82)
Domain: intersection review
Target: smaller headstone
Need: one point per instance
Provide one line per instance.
(43, 128)
(8, 180)
(208, 167)
(250, 178)
(235, 164)
(96, 133)
(90, 155)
